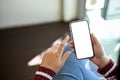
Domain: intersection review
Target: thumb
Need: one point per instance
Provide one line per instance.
(65, 56)
(94, 39)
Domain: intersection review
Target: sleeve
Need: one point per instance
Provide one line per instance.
(44, 73)
(109, 70)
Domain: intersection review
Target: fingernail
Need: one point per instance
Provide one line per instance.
(92, 34)
(67, 37)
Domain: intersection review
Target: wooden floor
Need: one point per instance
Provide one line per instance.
(19, 45)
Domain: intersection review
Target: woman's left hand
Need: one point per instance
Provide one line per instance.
(53, 58)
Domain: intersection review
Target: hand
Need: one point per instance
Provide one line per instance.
(100, 58)
(53, 58)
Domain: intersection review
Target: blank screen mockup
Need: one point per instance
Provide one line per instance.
(82, 40)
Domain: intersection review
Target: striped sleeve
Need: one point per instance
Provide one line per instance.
(44, 73)
(109, 70)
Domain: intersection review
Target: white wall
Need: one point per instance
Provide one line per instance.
(73, 9)
(70, 9)
(26, 12)
(23, 12)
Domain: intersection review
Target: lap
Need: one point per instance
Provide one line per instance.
(75, 69)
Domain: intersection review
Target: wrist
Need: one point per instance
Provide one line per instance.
(46, 70)
(53, 68)
(103, 62)
(108, 69)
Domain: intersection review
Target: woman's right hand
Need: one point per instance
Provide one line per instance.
(53, 58)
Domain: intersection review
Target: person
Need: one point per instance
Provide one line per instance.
(53, 61)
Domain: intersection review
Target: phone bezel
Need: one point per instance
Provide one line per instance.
(71, 34)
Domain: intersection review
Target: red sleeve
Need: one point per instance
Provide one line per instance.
(109, 70)
(44, 73)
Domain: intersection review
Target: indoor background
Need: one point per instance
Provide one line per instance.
(27, 27)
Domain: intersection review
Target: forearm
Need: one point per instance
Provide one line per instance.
(44, 73)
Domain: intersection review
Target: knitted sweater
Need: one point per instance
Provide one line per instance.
(109, 71)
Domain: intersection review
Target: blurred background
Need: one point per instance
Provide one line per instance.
(27, 27)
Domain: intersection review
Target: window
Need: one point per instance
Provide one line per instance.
(106, 27)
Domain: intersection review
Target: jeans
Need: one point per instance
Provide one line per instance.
(75, 69)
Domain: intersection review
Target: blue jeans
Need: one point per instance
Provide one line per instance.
(75, 69)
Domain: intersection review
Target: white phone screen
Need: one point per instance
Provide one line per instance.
(82, 40)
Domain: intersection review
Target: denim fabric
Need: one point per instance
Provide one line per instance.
(75, 69)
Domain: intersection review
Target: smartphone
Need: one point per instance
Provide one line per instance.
(80, 33)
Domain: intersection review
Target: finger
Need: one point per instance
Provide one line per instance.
(62, 45)
(48, 50)
(54, 49)
(94, 39)
(65, 56)
(71, 44)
